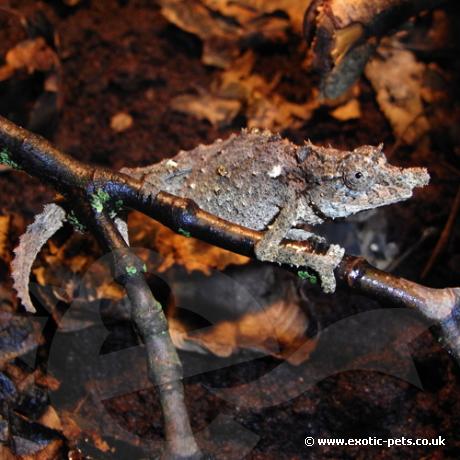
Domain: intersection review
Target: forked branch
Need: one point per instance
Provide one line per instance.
(164, 365)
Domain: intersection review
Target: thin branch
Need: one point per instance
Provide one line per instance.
(36, 156)
(444, 238)
(165, 368)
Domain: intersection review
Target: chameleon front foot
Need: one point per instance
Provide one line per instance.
(323, 264)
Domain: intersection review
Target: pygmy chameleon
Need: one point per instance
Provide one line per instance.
(259, 180)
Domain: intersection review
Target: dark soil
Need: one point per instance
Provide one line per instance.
(124, 56)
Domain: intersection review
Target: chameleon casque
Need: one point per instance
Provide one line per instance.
(259, 180)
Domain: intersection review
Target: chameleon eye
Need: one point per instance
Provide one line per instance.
(357, 179)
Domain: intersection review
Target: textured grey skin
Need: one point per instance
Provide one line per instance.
(44, 226)
(228, 178)
(263, 182)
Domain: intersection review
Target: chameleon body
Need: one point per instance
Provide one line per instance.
(263, 182)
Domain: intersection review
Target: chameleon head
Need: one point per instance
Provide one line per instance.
(343, 183)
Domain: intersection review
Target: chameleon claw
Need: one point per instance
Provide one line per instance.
(326, 266)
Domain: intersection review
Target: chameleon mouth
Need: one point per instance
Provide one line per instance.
(398, 184)
(415, 177)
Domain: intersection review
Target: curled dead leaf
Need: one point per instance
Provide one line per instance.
(225, 25)
(31, 55)
(397, 77)
(239, 88)
(278, 330)
(217, 110)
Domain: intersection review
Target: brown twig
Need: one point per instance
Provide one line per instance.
(444, 237)
(164, 365)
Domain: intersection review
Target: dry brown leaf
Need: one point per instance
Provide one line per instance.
(239, 87)
(295, 9)
(100, 443)
(51, 419)
(50, 452)
(46, 380)
(276, 113)
(110, 290)
(265, 108)
(69, 258)
(19, 336)
(397, 78)
(278, 330)
(45, 225)
(217, 110)
(70, 428)
(31, 55)
(4, 232)
(219, 36)
(193, 254)
(6, 454)
(88, 427)
(223, 25)
(348, 111)
(66, 265)
(142, 230)
(190, 253)
(246, 10)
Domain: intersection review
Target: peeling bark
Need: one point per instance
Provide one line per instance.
(342, 35)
